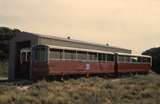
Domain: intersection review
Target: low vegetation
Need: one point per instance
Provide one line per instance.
(3, 69)
(138, 89)
(155, 53)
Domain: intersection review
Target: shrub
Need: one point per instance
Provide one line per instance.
(155, 53)
(3, 68)
(137, 89)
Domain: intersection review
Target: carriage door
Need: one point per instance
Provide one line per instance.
(25, 61)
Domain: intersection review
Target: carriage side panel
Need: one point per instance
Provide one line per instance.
(64, 67)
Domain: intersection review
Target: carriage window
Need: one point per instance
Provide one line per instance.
(134, 59)
(140, 59)
(82, 55)
(40, 54)
(126, 59)
(120, 59)
(56, 54)
(70, 54)
(92, 56)
(102, 57)
(110, 57)
(148, 60)
(28, 56)
(144, 60)
(106, 57)
(23, 57)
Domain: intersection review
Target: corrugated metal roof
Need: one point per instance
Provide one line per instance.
(76, 41)
(79, 49)
(91, 50)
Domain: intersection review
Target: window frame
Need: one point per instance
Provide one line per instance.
(137, 58)
(60, 52)
(38, 58)
(86, 56)
(25, 51)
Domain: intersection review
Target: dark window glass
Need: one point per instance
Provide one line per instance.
(125, 59)
(148, 60)
(28, 56)
(40, 54)
(37, 54)
(135, 59)
(23, 57)
(110, 57)
(144, 59)
(101, 57)
(56, 54)
(70, 54)
(82, 55)
(92, 56)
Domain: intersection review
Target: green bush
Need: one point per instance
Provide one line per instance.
(155, 53)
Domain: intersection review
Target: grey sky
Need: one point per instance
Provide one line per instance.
(132, 24)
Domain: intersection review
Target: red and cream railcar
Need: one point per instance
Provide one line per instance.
(127, 63)
(56, 60)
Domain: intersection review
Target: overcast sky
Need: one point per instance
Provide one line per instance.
(133, 24)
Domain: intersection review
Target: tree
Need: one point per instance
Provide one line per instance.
(155, 53)
(5, 35)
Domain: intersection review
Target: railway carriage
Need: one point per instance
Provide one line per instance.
(48, 60)
(128, 63)
(56, 60)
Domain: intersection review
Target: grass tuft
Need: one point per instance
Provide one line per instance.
(139, 89)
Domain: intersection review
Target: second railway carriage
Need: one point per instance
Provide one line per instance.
(48, 60)
(127, 63)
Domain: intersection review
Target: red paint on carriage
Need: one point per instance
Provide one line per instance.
(64, 67)
(70, 67)
(133, 67)
(39, 69)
